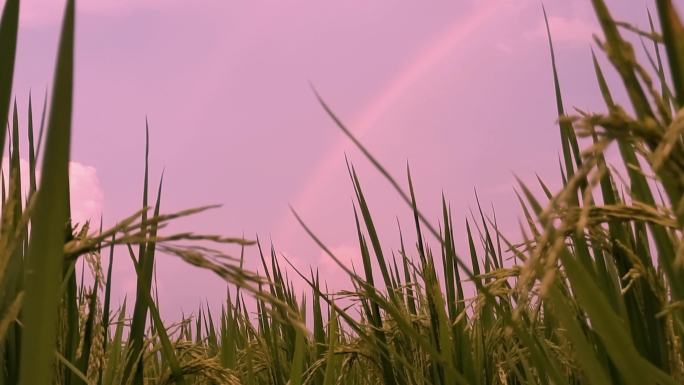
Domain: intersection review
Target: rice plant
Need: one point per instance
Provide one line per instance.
(590, 292)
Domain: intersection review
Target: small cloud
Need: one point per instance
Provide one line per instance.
(87, 197)
(86, 193)
(573, 30)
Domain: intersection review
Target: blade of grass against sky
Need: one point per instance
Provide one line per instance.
(9, 24)
(145, 261)
(44, 258)
(91, 131)
(492, 321)
(673, 34)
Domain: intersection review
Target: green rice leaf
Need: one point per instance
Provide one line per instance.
(44, 260)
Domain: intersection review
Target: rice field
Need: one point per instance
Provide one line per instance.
(589, 291)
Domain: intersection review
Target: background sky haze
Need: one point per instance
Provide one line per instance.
(461, 90)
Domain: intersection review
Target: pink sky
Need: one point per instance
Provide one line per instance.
(461, 89)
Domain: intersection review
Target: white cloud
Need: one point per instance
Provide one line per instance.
(573, 30)
(87, 197)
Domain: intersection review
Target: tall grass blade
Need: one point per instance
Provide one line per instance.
(9, 24)
(44, 260)
(673, 36)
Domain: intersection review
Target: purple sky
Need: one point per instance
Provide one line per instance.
(460, 89)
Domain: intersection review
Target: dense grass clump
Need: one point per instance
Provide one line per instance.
(590, 292)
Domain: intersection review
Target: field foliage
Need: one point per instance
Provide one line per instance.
(591, 290)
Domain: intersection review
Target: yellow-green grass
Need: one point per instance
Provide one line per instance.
(587, 293)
